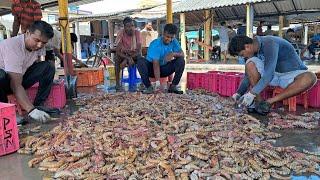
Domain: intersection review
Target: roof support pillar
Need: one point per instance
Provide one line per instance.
(65, 36)
(305, 32)
(183, 33)
(169, 11)
(207, 34)
(281, 25)
(158, 26)
(78, 47)
(249, 20)
(111, 37)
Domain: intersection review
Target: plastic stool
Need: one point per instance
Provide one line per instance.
(292, 101)
(132, 77)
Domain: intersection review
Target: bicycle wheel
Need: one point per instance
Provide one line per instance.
(94, 61)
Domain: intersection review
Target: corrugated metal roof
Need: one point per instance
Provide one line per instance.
(236, 10)
(194, 5)
(157, 12)
(104, 16)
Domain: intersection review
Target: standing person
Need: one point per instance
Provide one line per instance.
(289, 36)
(224, 40)
(269, 31)
(231, 33)
(128, 48)
(148, 34)
(242, 29)
(164, 58)
(259, 29)
(25, 12)
(19, 69)
(270, 61)
(53, 48)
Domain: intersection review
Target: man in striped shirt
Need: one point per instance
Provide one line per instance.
(25, 12)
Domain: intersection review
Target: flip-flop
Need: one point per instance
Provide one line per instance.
(263, 108)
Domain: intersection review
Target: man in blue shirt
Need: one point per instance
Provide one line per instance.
(270, 61)
(164, 57)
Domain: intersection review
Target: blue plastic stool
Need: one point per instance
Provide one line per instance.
(132, 79)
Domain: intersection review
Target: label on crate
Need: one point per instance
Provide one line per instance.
(8, 132)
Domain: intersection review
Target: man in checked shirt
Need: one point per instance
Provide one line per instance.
(25, 12)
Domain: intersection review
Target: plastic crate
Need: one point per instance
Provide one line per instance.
(100, 75)
(194, 80)
(222, 84)
(56, 99)
(87, 77)
(112, 73)
(314, 95)
(191, 78)
(267, 92)
(233, 81)
(9, 139)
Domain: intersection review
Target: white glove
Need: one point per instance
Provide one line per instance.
(247, 99)
(38, 115)
(236, 96)
(157, 85)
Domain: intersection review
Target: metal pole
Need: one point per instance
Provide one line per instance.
(78, 47)
(207, 34)
(249, 20)
(65, 36)
(169, 11)
(305, 39)
(183, 33)
(281, 25)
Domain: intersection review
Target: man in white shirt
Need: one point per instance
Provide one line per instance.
(19, 69)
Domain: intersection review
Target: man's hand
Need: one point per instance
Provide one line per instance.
(236, 96)
(38, 115)
(169, 57)
(247, 99)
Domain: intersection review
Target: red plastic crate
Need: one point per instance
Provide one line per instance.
(314, 95)
(267, 92)
(9, 139)
(195, 80)
(233, 82)
(213, 82)
(56, 99)
(191, 78)
(222, 80)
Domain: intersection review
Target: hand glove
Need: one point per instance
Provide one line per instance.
(38, 115)
(247, 99)
(157, 85)
(236, 96)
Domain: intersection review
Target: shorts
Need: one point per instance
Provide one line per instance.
(224, 46)
(279, 79)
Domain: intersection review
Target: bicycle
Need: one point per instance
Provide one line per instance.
(102, 53)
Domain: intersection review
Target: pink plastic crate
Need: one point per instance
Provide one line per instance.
(195, 80)
(213, 82)
(267, 92)
(233, 82)
(56, 99)
(202, 80)
(314, 95)
(191, 78)
(222, 80)
(9, 139)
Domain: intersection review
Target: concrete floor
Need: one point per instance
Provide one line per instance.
(14, 166)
